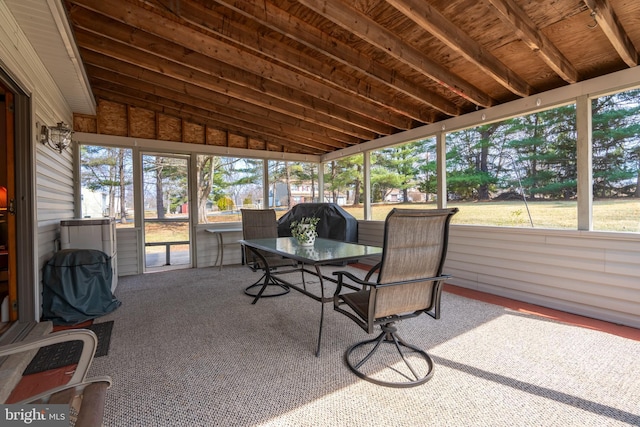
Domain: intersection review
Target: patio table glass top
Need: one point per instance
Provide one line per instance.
(323, 251)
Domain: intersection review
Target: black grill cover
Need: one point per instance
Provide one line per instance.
(335, 223)
(77, 286)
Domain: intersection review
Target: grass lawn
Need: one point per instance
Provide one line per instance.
(608, 215)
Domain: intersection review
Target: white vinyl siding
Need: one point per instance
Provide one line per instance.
(128, 241)
(206, 244)
(587, 273)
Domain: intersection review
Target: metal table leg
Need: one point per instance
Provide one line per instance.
(220, 250)
(321, 309)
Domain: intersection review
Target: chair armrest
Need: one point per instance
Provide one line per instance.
(89, 344)
(355, 279)
(373, 270)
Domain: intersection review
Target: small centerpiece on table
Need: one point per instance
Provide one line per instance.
(304, 230)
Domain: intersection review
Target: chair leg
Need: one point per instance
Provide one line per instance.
(265, 281)
(389, 336)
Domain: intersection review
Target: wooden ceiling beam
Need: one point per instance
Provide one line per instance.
(432, 21)
(96, 61)
(211, 47)
(529, 33)
(610, 24)
(149, 102)
(274, 18)
(378, 36)
(222, 112)
(254, 40)
(162, 103)
(255, 89)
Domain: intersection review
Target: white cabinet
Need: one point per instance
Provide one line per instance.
(92, 233)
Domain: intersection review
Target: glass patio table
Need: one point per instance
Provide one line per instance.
(323, 252)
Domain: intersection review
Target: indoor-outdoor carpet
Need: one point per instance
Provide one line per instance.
(68, 353)
(191, 350)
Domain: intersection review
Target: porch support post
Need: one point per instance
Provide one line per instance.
(321, 182)
(138, 206)
(584, 152)
(441, 168)
(265, 184)
(77, 180)
(367, 184)
(193, 213)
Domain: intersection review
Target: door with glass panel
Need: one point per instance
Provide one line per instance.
(165, 185)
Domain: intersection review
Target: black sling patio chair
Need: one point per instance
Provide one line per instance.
(261, 224)
(409, 282)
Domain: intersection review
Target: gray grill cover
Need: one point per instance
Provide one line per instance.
(77, 287)
(335, 223)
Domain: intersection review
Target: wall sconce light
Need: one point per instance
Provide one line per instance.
(57, 137)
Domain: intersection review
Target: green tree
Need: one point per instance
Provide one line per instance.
(401, 166)
(543, 146)
(304, 172)
(277, 174)
(616, 145)
(107, 170)
(428, 169)
(345, 177)
(207, 166)
(383, 182)
(467, 155)
(237, 176)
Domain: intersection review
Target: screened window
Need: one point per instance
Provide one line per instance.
(616, 162)
(106, 183)
(226, 185)
(403, 176)
(291, 183)
(519, 172)
(343, 184)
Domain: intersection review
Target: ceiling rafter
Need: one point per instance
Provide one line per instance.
(428, 18)
(530, 34)
(120, 98)
(610, 25)
(147, 103)
(328, 74)
(292, 131)
(211, 47)
(119, 93)
(373, 33)
(271, 16)
(97, 62)
(317, 76)
(242, 89)
(150, 45)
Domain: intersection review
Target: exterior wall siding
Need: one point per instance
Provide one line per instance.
(53, 171)
(128, 243)
(207, 249)
(594, 274)
(54, 202)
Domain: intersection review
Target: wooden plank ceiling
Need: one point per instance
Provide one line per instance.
(315, 76)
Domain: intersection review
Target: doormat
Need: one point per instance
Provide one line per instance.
(68, 353)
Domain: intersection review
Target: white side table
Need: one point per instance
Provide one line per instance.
(219, 233)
